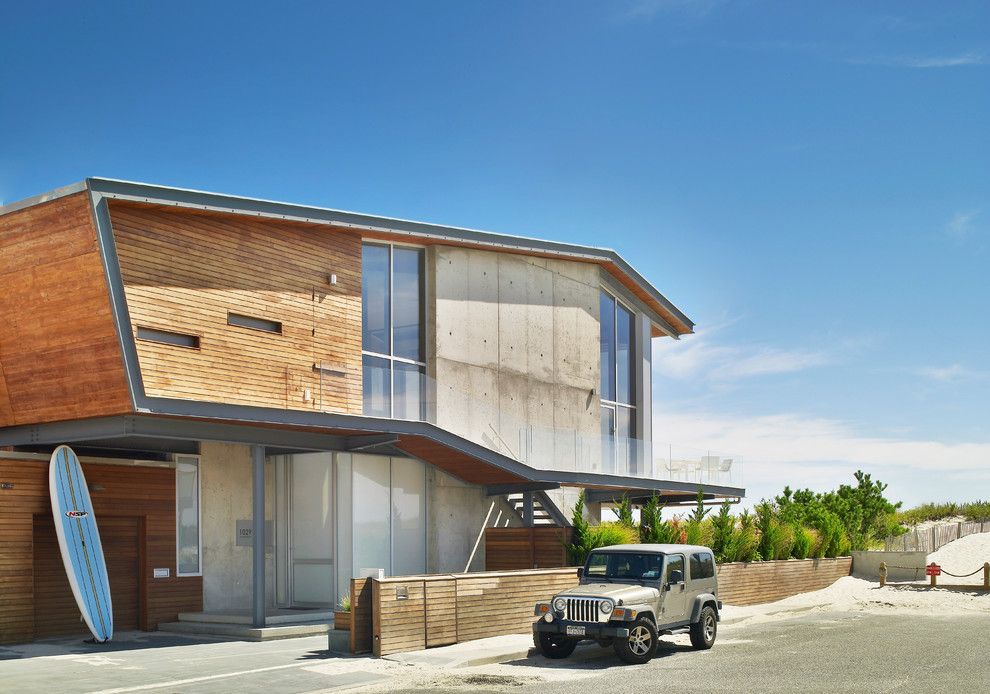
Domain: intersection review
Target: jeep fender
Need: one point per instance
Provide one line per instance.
(699, 602)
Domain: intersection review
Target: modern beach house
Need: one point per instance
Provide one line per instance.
(270, 399)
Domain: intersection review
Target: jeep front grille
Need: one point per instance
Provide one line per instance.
(584, 610)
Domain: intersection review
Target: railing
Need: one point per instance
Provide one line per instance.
(547, 437)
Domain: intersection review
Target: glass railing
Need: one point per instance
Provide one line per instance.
(547, 438)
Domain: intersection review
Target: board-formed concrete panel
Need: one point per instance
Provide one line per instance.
(516, 353)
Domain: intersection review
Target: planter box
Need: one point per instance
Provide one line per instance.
(342, 621)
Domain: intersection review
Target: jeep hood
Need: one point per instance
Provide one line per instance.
(626, 594)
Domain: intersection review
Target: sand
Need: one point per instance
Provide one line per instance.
(851, 594)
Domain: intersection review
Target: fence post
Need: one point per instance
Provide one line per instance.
(883, 574)
(933, 541)
(959, 530)
(986, 575)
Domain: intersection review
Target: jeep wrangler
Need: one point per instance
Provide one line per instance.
(628, 596)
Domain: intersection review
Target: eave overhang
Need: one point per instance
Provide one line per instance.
(288, 430)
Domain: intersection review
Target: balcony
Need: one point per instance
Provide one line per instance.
(533, 441)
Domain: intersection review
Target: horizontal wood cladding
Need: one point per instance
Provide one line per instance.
(60, 356)
(414, 612)
(526, 548)
(459, 464)
(185, 271)
(767, 581)
(135, 510)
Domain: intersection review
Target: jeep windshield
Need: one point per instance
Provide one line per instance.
(624, 566)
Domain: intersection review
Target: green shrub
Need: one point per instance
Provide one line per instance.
(722, 526)
(927, 512)
(576, 552)
(610, 533)
(784, 541)
(623, 510)
(744, 541)
(698, 533)
(804, 541)
(977, 511)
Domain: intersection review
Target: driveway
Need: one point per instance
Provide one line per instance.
(819, 652)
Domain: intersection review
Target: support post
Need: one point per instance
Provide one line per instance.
(528, 509)
(986, 575)
(883, 574)
(258, 536)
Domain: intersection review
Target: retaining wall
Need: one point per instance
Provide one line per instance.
(766, 581)
(901, 566)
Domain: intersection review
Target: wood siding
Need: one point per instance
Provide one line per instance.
(416, 612)
(768, 581)
(60, 356)
(136, 503)
(507, 549)
(184, 271)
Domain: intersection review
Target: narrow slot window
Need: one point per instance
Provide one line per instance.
(263, 324)
(166, 337)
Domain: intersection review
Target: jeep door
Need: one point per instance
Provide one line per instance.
(675, 602)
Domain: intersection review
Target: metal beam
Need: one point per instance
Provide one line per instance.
(258, 536)
(527, 513)
(364, 443)
(503, 489)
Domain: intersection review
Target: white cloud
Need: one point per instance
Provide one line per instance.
(960, 228)
(800, 451)
(952, 373)
(923, 62)
(699, 358)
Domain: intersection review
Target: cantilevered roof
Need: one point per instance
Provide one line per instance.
(667, 318)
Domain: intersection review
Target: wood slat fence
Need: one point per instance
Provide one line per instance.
(934, 537)
(508, 549)
(408, 613)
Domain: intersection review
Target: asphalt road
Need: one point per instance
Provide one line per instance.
(839, 653)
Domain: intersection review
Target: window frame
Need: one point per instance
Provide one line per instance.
(392, 358)
(703, 558)
(614, 405)
(182, 459)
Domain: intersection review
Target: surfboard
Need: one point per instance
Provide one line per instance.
(79, 541)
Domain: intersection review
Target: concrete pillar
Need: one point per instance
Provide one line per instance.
(644, 392)
(258, 536)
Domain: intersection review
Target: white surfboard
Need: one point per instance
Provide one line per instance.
(79, 541)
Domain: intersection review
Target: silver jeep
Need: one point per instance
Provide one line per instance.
(628, 596)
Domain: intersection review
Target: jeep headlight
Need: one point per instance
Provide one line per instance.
(559, 604)
(606, 606)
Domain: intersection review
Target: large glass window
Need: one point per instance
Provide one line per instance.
(187, 537)
(392, 331)
(618, 395)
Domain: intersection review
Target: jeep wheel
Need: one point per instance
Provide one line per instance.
(704, 630)
(555, 645)
(641, 645)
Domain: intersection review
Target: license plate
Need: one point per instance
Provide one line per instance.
(575, 631)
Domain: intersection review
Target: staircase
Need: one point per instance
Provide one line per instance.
(545, 512)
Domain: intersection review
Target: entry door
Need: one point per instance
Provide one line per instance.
(311, 575)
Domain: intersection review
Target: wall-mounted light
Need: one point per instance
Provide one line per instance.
(332, 278)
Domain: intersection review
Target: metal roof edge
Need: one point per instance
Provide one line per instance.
(71, 189)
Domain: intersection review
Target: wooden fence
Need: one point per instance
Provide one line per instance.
(932, 538)
(766, 581)
(408, 613)
(509, 549)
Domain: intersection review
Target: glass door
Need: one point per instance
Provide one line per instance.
(310, 530)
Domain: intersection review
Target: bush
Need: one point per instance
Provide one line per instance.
(611, 533)
(722, 526)
(804, 541)
(977, 511)
(624, 511)
(927, 512)
(576, 552)
(743, 542)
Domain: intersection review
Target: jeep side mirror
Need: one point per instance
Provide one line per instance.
(676, 576)
(580, 572)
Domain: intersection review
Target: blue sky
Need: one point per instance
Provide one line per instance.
(809, 182)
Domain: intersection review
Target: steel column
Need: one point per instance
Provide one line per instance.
(258, 536)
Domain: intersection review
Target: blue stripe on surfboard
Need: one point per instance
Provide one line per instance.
(88, 574)
(94, 543)
(82, 533)
(96, 568)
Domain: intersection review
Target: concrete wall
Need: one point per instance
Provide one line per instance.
(458, 514)
(514, 340)
(225, 471)
(901, 566)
